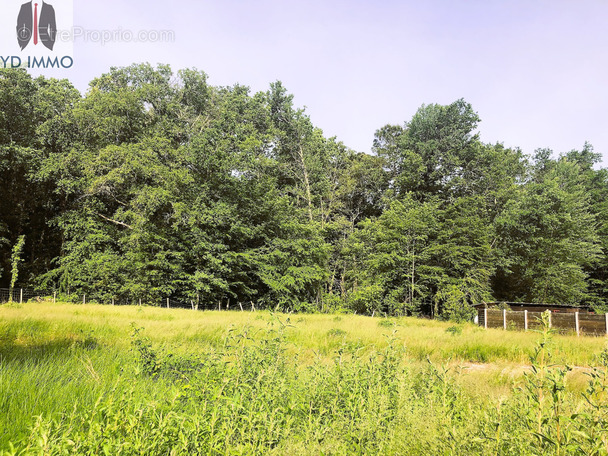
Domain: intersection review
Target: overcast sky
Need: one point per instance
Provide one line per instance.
(535, 71)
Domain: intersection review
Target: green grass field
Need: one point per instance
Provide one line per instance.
(90, 379)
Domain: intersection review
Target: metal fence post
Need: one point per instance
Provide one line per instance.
(525, 320)
(576, 324)
(167, 303)
(485, 318)
(21, 296)
(504, 319)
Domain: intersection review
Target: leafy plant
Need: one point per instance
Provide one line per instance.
(336, 332)
(386, 323)
(454, 330)
(16, 260)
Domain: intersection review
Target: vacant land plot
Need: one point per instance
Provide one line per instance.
(138, 380)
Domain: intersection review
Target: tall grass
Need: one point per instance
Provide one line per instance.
(137, 380)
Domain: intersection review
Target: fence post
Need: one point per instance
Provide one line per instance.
(485, 318)
(525, 320)
(576, 324)
(550, 322)
(112, 300)
(21, 296)
(84, 298)
(504, 319)
(54, 297)
(167, 303)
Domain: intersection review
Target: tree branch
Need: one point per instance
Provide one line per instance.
(116, 222)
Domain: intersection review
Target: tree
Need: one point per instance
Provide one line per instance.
(548, 237)
(158, 184)
(464, 252)
(395, 254)
(438, 158)
(16, 260)
(595, 183)
(30, 131)
(429, 154)
(358, 183)
(3, 242)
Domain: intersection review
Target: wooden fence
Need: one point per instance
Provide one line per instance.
(564, 322)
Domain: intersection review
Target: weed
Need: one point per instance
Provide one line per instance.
(227, 383)
(454, 330)
(386, 323)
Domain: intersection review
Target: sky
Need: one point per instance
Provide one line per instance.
(535, 71)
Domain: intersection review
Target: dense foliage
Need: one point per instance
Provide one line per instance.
(156, 184)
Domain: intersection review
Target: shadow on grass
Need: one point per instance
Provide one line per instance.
(14, 351)
(35, 340)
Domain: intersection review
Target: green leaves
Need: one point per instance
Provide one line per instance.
(16, 260)
(549, 234)
(156, 183)
(396, 254)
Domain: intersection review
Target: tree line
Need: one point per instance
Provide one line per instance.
(155, 183)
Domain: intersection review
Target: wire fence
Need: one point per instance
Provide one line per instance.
(19, 295)
(24, 295)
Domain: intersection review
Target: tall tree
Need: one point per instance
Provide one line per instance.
(429, 154)
(595, 182)
(29, 133)
(395, 258)
(548, 237)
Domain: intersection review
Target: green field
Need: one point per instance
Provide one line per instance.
(89, 379)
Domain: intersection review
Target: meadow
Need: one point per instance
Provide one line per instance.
(91, 379)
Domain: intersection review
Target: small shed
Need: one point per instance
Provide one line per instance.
(521, 315)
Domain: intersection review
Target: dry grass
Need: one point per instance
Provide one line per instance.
(311, 335)
(54, 357)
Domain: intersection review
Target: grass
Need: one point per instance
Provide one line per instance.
(48, 325)
(299, 384)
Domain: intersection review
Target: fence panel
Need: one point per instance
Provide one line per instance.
(534, 320)
(495, 318)
(516, 320)
(592, 324)
(562, 322)
(481, 317)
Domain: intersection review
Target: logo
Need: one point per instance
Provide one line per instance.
(36, 22)
(36, 34)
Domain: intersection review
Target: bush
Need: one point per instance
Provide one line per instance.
(455, 306)
(366, 300)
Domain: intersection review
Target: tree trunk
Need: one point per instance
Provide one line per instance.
(306, 181)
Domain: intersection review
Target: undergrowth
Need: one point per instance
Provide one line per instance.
(250, 396)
